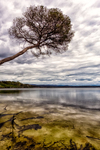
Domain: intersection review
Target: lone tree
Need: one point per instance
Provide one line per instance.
(45, 30)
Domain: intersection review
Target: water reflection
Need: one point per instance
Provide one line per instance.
(84, 97)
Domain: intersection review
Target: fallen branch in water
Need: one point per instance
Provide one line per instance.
(93, 137)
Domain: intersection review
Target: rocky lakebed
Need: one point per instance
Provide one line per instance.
(30, 126)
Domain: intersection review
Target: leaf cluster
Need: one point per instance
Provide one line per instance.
(48, 29)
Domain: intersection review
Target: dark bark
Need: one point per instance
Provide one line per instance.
(16, 55)
(49, 28)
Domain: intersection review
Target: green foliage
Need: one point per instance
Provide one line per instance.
(47, 28)
(13, 84)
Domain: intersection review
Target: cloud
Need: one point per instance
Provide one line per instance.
(79, 65)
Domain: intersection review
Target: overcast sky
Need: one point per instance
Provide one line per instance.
(80, 65)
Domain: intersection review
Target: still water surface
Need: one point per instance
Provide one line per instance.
(77, 97)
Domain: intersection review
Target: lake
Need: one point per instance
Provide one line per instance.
(74, 97)
(50, 115)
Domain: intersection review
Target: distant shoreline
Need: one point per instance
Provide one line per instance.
(13, 84)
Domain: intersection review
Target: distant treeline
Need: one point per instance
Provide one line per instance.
(13, 84)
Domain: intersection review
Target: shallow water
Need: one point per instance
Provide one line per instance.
(76, 97)
(56, 110)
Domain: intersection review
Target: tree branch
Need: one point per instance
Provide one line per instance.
(16, 55)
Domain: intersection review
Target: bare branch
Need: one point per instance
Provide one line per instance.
(42, 27)
(16, 55)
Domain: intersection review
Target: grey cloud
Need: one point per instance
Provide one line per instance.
(96, 4)
(17, 5)
(4, 51)
(4, 14)
(81, 74)
(48, 2)
(2, 39)
(79, 65)
(2, 10)
(64, 4)
(3, 55)
(89, 44)
(84, 79)
(93, 22)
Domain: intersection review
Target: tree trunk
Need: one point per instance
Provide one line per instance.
(16, 55)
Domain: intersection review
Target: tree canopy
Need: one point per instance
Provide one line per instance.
(43, 30)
